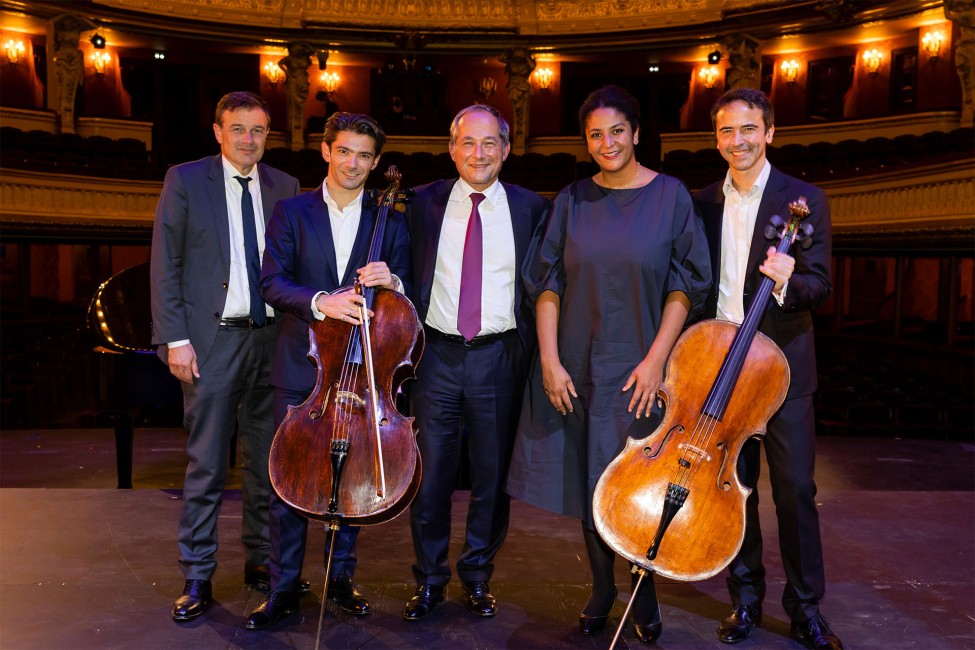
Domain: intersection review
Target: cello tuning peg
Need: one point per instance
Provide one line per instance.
(776, 221)
(807, 229)
(805, 243)
(770, 232)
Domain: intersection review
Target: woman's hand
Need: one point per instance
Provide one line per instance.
(646, 377)
(558, 386)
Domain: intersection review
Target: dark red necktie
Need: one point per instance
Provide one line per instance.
(469, 302)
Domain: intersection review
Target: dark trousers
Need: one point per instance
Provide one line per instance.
(790, 449)
(289, 527)
(233, 388)
(474, 391)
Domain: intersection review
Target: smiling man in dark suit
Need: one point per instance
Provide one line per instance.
(216, 334)
(316, 243)
(736, 211)
(469, 238)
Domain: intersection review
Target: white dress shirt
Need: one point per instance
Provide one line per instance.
(345, 226)
(737, 228)
(499, 273)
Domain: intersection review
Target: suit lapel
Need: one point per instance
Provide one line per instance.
(521, 226)
(433, 216)
(268, 195)
(363, 237)
(316, 214)
(772, 201)
(218, 208)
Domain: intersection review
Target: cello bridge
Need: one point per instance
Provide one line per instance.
(694, 450)
(348, 399)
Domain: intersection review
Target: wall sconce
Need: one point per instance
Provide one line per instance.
(487, 87)
(14, 50)
(709, 76)
(543, 77)
(100, 61)
(790, 70)
(872, 59)
(932, 43)
(273, 72)
(330, 80)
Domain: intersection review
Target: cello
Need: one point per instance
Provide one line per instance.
(672, 503)
(347, 455)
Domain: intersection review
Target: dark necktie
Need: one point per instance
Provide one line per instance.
(469, 302)
(251, 254)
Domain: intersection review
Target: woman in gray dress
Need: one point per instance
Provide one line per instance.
(615, 272)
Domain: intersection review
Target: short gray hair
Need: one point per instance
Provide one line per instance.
(503, 127)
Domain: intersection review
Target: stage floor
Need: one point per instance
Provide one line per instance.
(83, 565)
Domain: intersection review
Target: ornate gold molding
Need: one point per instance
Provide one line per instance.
(943, 196)
(45, 199)
(933, 197)
(524, 16)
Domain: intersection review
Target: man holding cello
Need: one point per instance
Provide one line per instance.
(736, 211)
(318, 242)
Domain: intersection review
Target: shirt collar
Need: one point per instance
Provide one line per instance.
(757, 189)
(229, 171)
(462, 190)
(354, 203)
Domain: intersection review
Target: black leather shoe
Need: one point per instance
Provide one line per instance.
(278, 605)
(343, 591)
(258, 576)
(738, 626)
(196, 597)
(815, 633)
(479, 598)
(590, 625)
(648, 634)
(424, 600)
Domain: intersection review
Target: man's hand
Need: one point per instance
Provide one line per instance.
(182, 363)
(779, 267)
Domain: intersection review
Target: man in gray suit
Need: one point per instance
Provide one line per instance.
(217, 335)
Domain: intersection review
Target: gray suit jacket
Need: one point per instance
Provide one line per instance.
(190, 261)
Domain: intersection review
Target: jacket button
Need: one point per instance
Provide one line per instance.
(224, 285)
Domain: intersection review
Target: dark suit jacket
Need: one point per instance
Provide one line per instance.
(190, 263)
(426, 219)
(790, 325)
(299, 261)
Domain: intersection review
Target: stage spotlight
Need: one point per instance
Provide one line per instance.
(714, 57)
(98, 42)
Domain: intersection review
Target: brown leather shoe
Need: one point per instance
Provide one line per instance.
(815, 634)
(738, 626)
(197, 595)
(344, 592)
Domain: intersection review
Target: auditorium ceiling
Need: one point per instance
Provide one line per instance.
(666, 29)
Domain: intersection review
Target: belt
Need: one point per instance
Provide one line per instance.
(245, 322)
(474, 342)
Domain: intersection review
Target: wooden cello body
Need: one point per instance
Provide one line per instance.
(347, 454)
(708, 531)
(672, 502)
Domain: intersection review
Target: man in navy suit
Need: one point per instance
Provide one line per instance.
(217, 335)
(316, 243)
(469, 238)
(736, 211)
